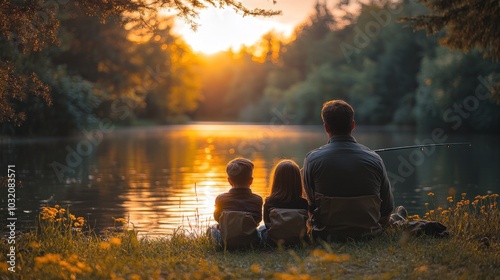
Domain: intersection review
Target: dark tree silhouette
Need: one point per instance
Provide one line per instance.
(467, 24)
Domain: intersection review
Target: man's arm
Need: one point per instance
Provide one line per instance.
(387, 198)
(308, 184)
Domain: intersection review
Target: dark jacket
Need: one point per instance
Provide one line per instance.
(239, 199)
(344, 168)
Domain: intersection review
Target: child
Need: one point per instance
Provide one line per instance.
(238, 211)
(285, 210)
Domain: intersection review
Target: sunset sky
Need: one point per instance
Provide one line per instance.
(220, 29)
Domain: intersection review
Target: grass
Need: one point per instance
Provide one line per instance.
(59, 249)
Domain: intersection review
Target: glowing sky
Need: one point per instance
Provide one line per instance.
(220, 29)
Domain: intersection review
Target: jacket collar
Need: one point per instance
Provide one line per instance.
(240, 190)
(342, 138)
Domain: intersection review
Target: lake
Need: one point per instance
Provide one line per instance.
(162, 178)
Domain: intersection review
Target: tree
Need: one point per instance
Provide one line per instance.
(455, 92)
(467, 24)
(169, 82)
(29, 26)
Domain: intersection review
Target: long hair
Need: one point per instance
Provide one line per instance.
(286, 182)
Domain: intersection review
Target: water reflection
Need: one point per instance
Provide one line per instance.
(161, 178)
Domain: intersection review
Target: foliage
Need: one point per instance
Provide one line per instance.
(87, 47)
(466, 24)
(15, 88)
(468, 219)
(33, 25)
(369, 59)
(58, 249)
(129, 68)
(168, 81)
(456, 92)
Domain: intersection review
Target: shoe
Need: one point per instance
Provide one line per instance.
(401, 211)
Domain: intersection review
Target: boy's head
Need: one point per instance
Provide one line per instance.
(239, 172)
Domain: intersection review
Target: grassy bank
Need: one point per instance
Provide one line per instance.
(59, 250)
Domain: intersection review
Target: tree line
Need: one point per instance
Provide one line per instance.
(374, 60)
(81, 63)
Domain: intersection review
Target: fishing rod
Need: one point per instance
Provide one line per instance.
(423, 146)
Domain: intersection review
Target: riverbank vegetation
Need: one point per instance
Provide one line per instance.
(60, 249)
(73, 66)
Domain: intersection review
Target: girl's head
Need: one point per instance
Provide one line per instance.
(286, 182)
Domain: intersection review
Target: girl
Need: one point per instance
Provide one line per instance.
(285, 210)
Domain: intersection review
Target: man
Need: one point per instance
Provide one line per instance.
(346, 183)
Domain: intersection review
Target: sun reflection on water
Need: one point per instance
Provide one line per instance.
(173, 176)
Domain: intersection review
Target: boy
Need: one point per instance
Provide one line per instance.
(238, 211)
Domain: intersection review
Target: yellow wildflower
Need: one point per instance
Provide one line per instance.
(115, 241)
(48, 213)
(430, 194)
(135, 277)
(318, 253)
(336, 258)
(80, 221)
(34, 244)
(291, 276)
(83, 266)
(255, 268)
(414, 217)
(330, 257)
(46, 259)
(105, 245)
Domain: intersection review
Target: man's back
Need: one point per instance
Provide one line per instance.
(342, 177)
(344, 168)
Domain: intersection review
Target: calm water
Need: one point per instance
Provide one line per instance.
(161, 178)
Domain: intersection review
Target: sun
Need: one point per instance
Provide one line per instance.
(223, 29)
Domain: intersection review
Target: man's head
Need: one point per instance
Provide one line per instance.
(338, 117)
(239, 172)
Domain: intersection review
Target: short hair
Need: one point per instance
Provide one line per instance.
(286, 183)
(338, 116)
(239, 170)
